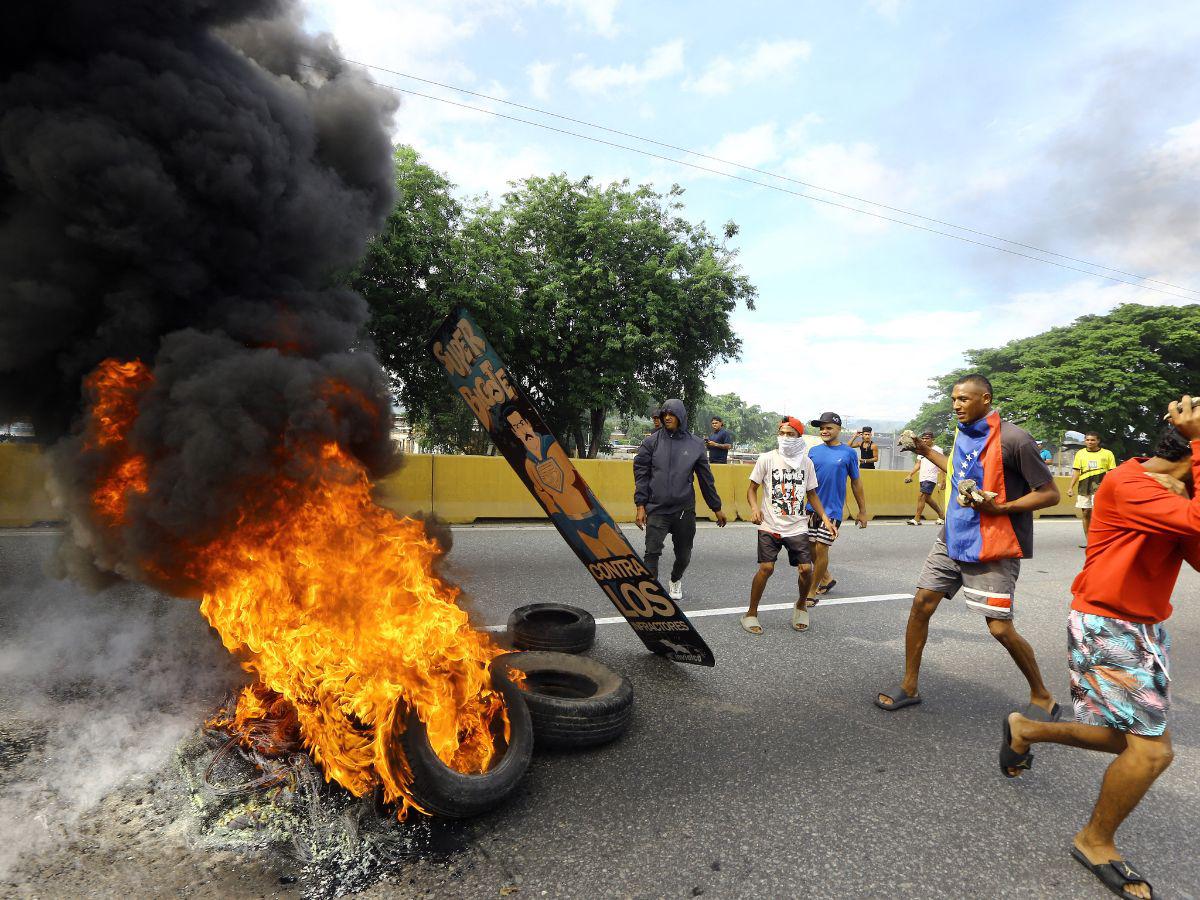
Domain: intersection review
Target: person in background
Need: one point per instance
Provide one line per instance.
(665, 469)
(1091, 464)
(930, 484)
(868, 452)
(719, 443)
(835, 464)
(1146, 525)
(787, 478)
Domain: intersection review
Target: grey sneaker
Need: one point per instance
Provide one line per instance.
(675, 589)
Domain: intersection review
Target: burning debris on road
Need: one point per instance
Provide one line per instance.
(180, 182)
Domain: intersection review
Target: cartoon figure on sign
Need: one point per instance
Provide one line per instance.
(555, 482)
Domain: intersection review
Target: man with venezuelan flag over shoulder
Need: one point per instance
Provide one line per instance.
(987, 534)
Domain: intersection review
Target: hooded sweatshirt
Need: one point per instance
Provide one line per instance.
(664, 467)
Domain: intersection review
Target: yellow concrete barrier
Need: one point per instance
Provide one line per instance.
(463, 489)
(24, 499)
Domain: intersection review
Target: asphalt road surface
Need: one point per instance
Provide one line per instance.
(772, 775)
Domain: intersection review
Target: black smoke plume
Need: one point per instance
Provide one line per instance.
(181, 181)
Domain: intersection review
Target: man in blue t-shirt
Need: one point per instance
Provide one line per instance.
(719, 443)
(835, 462)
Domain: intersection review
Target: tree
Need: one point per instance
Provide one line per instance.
(407, 278)
(600, 298)
(1113, 374)
(751, 426)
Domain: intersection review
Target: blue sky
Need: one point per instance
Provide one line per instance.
(1070, 126)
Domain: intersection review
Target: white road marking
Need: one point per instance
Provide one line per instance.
(28, 532)
(741, 610)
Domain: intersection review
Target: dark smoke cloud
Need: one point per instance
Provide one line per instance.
(181, 181)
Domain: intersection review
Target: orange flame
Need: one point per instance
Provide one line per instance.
(335, 602)
(116, 388)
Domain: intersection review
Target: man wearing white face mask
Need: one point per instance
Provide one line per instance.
(788, 479)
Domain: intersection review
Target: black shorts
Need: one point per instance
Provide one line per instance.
(769, 545)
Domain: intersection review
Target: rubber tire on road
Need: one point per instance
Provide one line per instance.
(552, 626)
(442, 791)
(573, 701)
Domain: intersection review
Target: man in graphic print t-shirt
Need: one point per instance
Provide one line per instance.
(981, 546)
(788, 481)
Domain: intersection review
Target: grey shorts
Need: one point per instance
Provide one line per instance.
(988, 587)
(769, 545)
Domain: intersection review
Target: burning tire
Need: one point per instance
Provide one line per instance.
(573, 701)
(555, 627)
(442, 791)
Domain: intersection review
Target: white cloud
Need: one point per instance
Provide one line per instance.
(662, 61)
(851, 169)
(478, 166)
(600, 15)
(405, 34)
(753, 147)
(770, 59)
(910, 348)
(843, 358)
(539, 79)
(889, 9)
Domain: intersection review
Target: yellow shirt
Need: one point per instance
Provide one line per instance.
(1089, 464)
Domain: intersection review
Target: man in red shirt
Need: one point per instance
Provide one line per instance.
(1145, 524)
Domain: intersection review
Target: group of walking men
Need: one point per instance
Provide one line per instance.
(1142, 523)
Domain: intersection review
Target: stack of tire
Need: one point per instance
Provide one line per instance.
(560, 700)
(574, 702)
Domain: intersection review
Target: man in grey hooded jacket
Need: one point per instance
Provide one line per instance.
(663, 471)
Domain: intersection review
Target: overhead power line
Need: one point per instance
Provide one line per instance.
(1143, 281)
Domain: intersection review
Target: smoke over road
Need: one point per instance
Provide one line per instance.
(180, 182)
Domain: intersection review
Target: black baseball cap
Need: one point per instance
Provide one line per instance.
(827, 418)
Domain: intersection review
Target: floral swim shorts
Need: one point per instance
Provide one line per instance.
(1120, 676)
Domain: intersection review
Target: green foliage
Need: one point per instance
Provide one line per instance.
(1113, 374)
(600, 298)
(752, 427)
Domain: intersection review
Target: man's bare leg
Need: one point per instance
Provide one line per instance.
(1085, 517)
(1026, 732)
(820, 571)
(1018, 648)
(924, 604)
(1126, 781)
(920, 506)
(804, 579)
(758, 585)
(1140, 760)
(937, 507)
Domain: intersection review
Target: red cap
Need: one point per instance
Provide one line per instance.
(795, 423)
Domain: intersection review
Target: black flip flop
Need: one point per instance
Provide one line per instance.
(827, 586)
(1010, 758)
(1114, 874)
(1037, 714)
(900, 699)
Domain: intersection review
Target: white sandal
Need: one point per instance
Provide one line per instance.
(751, 626)
(800, 617)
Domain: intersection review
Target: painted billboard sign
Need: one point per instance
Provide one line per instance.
(522, 437)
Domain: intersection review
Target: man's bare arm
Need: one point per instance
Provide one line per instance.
(1046, 495)
(926, 450)
(752, 499)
